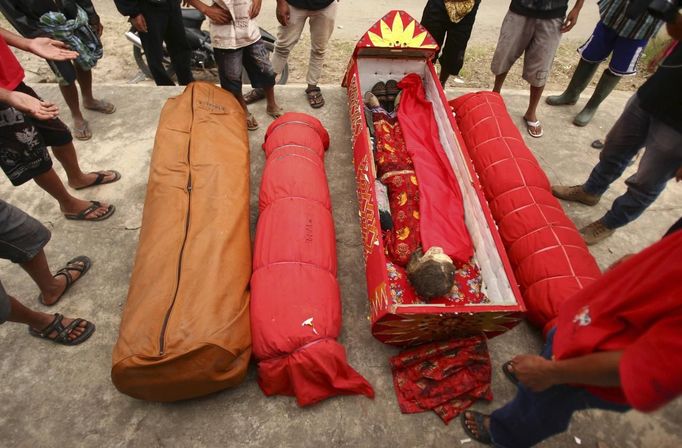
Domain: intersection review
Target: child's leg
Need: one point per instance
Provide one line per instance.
(230, 73)
(257, 64)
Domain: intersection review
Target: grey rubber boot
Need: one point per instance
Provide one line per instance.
(607, 83)
(581, 78)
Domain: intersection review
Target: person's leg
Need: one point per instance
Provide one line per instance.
(516, 33)
(321, 28)
(152, 42)
(435, 19)
(537, 63)
(178, 47)
(452, 58)
(89, 102)
(38, 321)
(661, 160)
(66, 154)
(230, 63)
(287, 38)
(626, 137)
(70, 94)
(256, 62)
(626, 54)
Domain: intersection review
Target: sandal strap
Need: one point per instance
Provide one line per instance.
(63, 335)
(55, 325)
(70, 267)
(100, 177)
(94, 205)
(314, 89)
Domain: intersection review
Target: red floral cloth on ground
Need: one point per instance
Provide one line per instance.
(446, 377)
(395, 170)
(441, 206)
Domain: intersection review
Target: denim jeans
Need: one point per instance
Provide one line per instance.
(532, 417)
(634, 130)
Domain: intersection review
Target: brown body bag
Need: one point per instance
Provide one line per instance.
(185, 328)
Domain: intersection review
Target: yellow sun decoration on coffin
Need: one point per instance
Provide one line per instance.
(398, 35)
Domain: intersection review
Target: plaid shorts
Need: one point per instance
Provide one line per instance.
(24, 141)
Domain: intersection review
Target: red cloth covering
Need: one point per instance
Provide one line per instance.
(11, 73)
(395, 170)
(440, 204)
(295, 302)
(446, 377)
(549, 257)
(635, 308)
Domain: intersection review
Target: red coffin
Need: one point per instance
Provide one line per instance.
(550, 259)
(392, 48)
(295, 302)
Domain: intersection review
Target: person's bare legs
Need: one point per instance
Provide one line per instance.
(85, 82)
(535, 96)
(70, 94)
(66, 154)
(499, 80)
(50, 182)
(272, 107)
(50, 287)
(37, 320)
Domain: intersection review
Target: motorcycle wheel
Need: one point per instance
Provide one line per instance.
(141, 61)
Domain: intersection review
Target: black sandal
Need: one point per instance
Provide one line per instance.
(481, 435)
(315, 98)
(254, 95)
(63, 332)
(94, 205)
(100, 179)
(509, 373)
(71, 265)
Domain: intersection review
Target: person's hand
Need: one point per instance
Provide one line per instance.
(255, 8)
(571, 20)
(535, 372)
(283, 13)
(139, 23)
(51, 49)
(678, 175)
(218, 15)
(42, 110)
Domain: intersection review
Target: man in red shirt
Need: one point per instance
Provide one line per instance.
(616, 346)
(28, 125)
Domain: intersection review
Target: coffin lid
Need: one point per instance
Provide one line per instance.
(397, 34)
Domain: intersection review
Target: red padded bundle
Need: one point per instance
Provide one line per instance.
(550, 259)
(295, 302)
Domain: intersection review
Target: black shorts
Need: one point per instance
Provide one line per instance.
(254, 58)
(24, 141)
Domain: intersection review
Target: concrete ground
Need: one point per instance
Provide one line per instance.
(62, 396)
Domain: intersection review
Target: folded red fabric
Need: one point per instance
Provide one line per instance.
(446, 377)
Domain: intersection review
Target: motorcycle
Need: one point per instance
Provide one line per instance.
(202, 59)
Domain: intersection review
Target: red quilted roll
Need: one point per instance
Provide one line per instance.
(550, 260)
(295, 301)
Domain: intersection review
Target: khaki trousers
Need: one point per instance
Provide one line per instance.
(321, 28)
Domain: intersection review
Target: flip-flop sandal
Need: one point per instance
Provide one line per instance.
(83, 133)
(102, 106)
(100, 180)
(483, 436)
(315, 98)
(534, 128)
(62, 336)
(94, 205)
(251, 123)
(597, 144)
(506, 369)
(254, 95)
(276, 113)
(71, 265)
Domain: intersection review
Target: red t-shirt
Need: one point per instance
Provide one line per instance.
(635, 308)
(11, 73)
